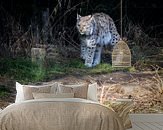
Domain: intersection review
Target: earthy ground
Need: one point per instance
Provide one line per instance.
(145, 89)
(139, 86)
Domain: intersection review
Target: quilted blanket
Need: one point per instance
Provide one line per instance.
(59, 114)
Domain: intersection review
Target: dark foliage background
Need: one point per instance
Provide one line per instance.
(22, 26)
(148, 13)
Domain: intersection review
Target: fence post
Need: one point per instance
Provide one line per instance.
(38, 56)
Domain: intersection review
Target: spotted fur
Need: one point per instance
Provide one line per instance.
(95, 31)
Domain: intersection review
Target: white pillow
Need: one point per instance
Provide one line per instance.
(92, 92)
(20, 95)
(79, 90)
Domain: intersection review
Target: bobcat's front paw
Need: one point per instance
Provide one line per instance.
(96, 62)
(88, 65)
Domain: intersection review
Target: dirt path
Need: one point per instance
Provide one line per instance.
(145, 89)
(123, 79)
(142, 87)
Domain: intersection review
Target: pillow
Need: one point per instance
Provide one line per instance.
(24, 92)
(79, 90)
(29, 90)
(50, 95)
(92, 92)
(19, 94)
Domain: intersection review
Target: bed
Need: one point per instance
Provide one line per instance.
(61, 112)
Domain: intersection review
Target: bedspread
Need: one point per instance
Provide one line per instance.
(59, 114)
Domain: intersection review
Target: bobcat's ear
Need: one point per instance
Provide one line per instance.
(78, 16)
(89, 16)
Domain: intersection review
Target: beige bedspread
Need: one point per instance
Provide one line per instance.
(59, 114)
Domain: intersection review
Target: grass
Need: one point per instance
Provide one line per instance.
(21, 69)
(25, 71)
(102, 68)
(4, 92)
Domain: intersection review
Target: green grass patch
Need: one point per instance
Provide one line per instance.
(26, 71)
(4, 92)
(75, 63)
(21, 69)
(102, 68)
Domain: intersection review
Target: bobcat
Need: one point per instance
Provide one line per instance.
(95, 31)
